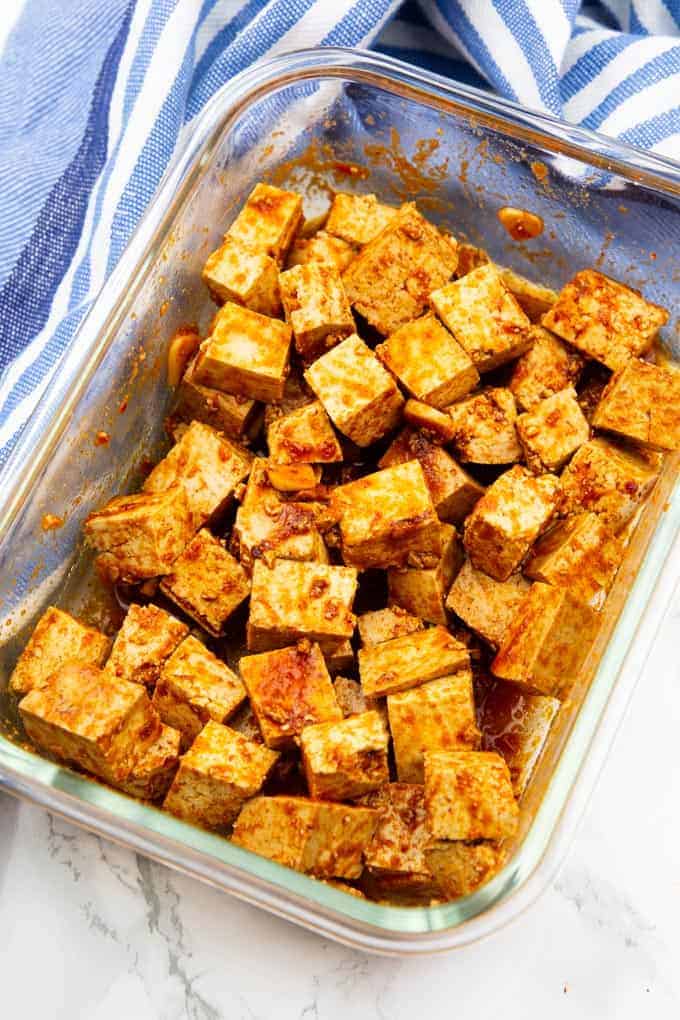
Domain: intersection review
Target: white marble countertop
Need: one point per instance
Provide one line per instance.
(91, 930)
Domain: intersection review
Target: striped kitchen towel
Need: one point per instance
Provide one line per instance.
(94, 98)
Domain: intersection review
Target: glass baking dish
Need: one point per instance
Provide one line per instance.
(315, 120)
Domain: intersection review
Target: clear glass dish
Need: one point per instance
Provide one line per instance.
(314, 120)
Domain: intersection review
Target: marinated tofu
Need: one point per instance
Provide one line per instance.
(435, 424)
(235, 416)
(410, 660)
(381, 625)
(322, 248)
(397, 851)
(642, 403)
(304, 436)
(316, 307)
(485, 427)
(421, 591)
(552, 431)
(459, 868)
(235, 272)
(485, 605)
(548, 367)
(268, 222)
(358, 219)
(468, 795)
(146, 639)
(578, 554)
(58, 638)
(608, 480)
(346, 759)
(154, 770)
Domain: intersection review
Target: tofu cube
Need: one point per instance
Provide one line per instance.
(293, 477)
(313, 836)
(208, 466)
(604, 319)
(508, 519)
(207, 583)
(459, 868)
(484, 317)
(421, 590)
(154, 770)
(533, 298)
(141, 535)
(547, 642)
(387, 518)
(468, 795)
(235, 272)
(435, 424)
(484, 605)
(269, 221)
(81, 715)
(437, 716)
(321, 248)
(578, 554)
(401, 837)
(146, 639)
(428, 361)
(642, 403)
(235, 416)
(349, 696)
(385, 624)
(304, 436)
(360, 397)
(268, 528)
(58, 638)
(345, 759)
(390, 280)
(292, 600)
(484, 424)
(453, 491)
(339, 657)
(289, 688)
(358, 219)
(516, 725)
(316, 307)
(194, 687)
(552, 431)
(546, 368)
(410, 661)
(607, 480)
(470, 257)
(217, 775)
(246, 354)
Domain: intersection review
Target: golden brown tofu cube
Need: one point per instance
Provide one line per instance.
(58, 638)
(358, 219)
(316, 307)
(289, 688)
(246, 354)
(429, 362)
(141, 535)
(360, 397)
(146, 639)
(421, 590)
(468, 795)
(454, 492)
(508, 519)
(236, 416)
(387, 518)
(516, 724)
(552, 431)
(546, 368)
(384, 624)
(437, 716)
(207, 582)
(304, 436)
(195, 686)
(345, 759)
(155, 769)
(312, 836)
(218, 774)
(293, 477)
(459, 868)
(604, 319)
(436, 425)
(470, 257)
(208, 466)
(483, 604)
(321, 248)
(485, 430)
(533, 298)
(642, 402)
(547, 642)
(235, 272)
(578, 554)
(390, 280)
(268, 528)
(349, 696)
(292, 600)
(484, 317)
(83, 716)
(608, 480)
(401, 837)
(269, 221)
(409, 661)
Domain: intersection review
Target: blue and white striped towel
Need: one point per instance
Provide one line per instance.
(94, 97)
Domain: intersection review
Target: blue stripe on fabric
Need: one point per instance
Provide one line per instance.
(153, 28)
(357, 22)
(591, 63)
(27, 295)
(455, 16)
(651, 132)
(663, 66)
(636, 27)
(522, 24)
